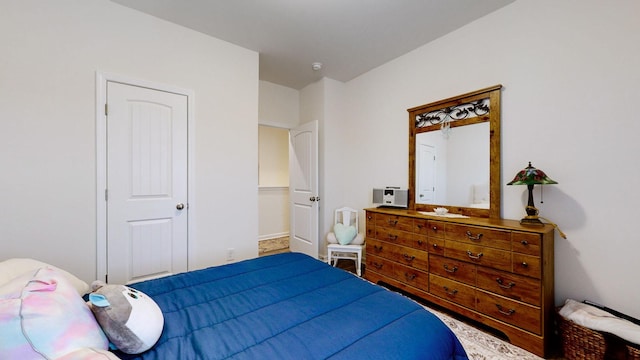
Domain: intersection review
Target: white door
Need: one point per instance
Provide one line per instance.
(303, 189)
(146, 183)
(426, 157)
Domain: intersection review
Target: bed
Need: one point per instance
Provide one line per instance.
(290, 306)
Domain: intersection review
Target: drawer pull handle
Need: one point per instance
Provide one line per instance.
(409, 277)
(419, 226)
(377, 265)
(369, 217)
(393, 237)
(408, 257)
(393, 222)
(474, 237)
(435, 246)
(377, 248)
(420, 242)
(502, 285)
(524, 264)
(472, 256)
(435, 228)
(503, 312)
(447, 269)
(450, 292)
(524, 242)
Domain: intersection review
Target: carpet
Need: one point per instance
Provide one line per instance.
(273, 246)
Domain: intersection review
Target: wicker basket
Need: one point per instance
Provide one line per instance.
(581, 343)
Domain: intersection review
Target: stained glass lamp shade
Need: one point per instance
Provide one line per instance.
(530, 176)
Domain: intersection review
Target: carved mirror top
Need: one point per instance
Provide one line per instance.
(481, 109)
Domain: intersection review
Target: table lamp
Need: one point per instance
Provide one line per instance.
(530, 176)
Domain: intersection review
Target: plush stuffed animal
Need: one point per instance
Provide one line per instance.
(131, 320)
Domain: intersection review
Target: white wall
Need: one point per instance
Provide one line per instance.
(51, 52)
(337, 142)
(570, 74)
(279, 105)
(324, 101)
(273, 156)
(273, 210)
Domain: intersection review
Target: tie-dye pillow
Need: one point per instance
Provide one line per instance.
(12, 268)
(42, 314)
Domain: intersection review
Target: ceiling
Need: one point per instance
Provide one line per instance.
(349, 37)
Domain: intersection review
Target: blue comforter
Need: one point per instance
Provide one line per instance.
(290, 306)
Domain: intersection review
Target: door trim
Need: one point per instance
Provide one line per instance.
(101, 162)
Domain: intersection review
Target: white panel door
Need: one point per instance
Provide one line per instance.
(426, 157)
(303, 189)
(146, 183)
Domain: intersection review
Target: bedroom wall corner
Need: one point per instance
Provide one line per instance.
(47, 103)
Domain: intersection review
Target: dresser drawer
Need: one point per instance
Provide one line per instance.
(370, 229)
(393, 235)
(525, 243)
(480, 255)
(394, 222)
(420, 242)
(405, 274)
(401, 254)
(510, 311)
(452, 269)
(379, 265)
(498, 239)
(507, 284)
(436, 229)
(435, 246)
(421, 226)
(454, 291)
(526, 265)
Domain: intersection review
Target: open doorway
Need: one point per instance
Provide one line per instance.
(273, 190)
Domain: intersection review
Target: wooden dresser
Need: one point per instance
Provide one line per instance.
(496, 272)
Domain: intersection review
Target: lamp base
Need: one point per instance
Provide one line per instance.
(531, 221)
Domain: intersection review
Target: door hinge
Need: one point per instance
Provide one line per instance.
(106, 278)
(106, 110)
(106, 194)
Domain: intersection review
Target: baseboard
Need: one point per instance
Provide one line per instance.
(273, 236)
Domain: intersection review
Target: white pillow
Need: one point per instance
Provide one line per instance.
(12, 268)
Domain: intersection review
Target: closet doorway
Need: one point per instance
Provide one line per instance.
(298, 202)
(273, 189)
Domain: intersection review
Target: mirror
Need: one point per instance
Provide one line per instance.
(454, 154)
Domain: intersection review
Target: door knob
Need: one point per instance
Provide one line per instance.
(313, 198)
(180, 206)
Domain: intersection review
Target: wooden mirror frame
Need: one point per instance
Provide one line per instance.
(493, 116)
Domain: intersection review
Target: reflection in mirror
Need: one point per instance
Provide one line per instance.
(453, 168)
